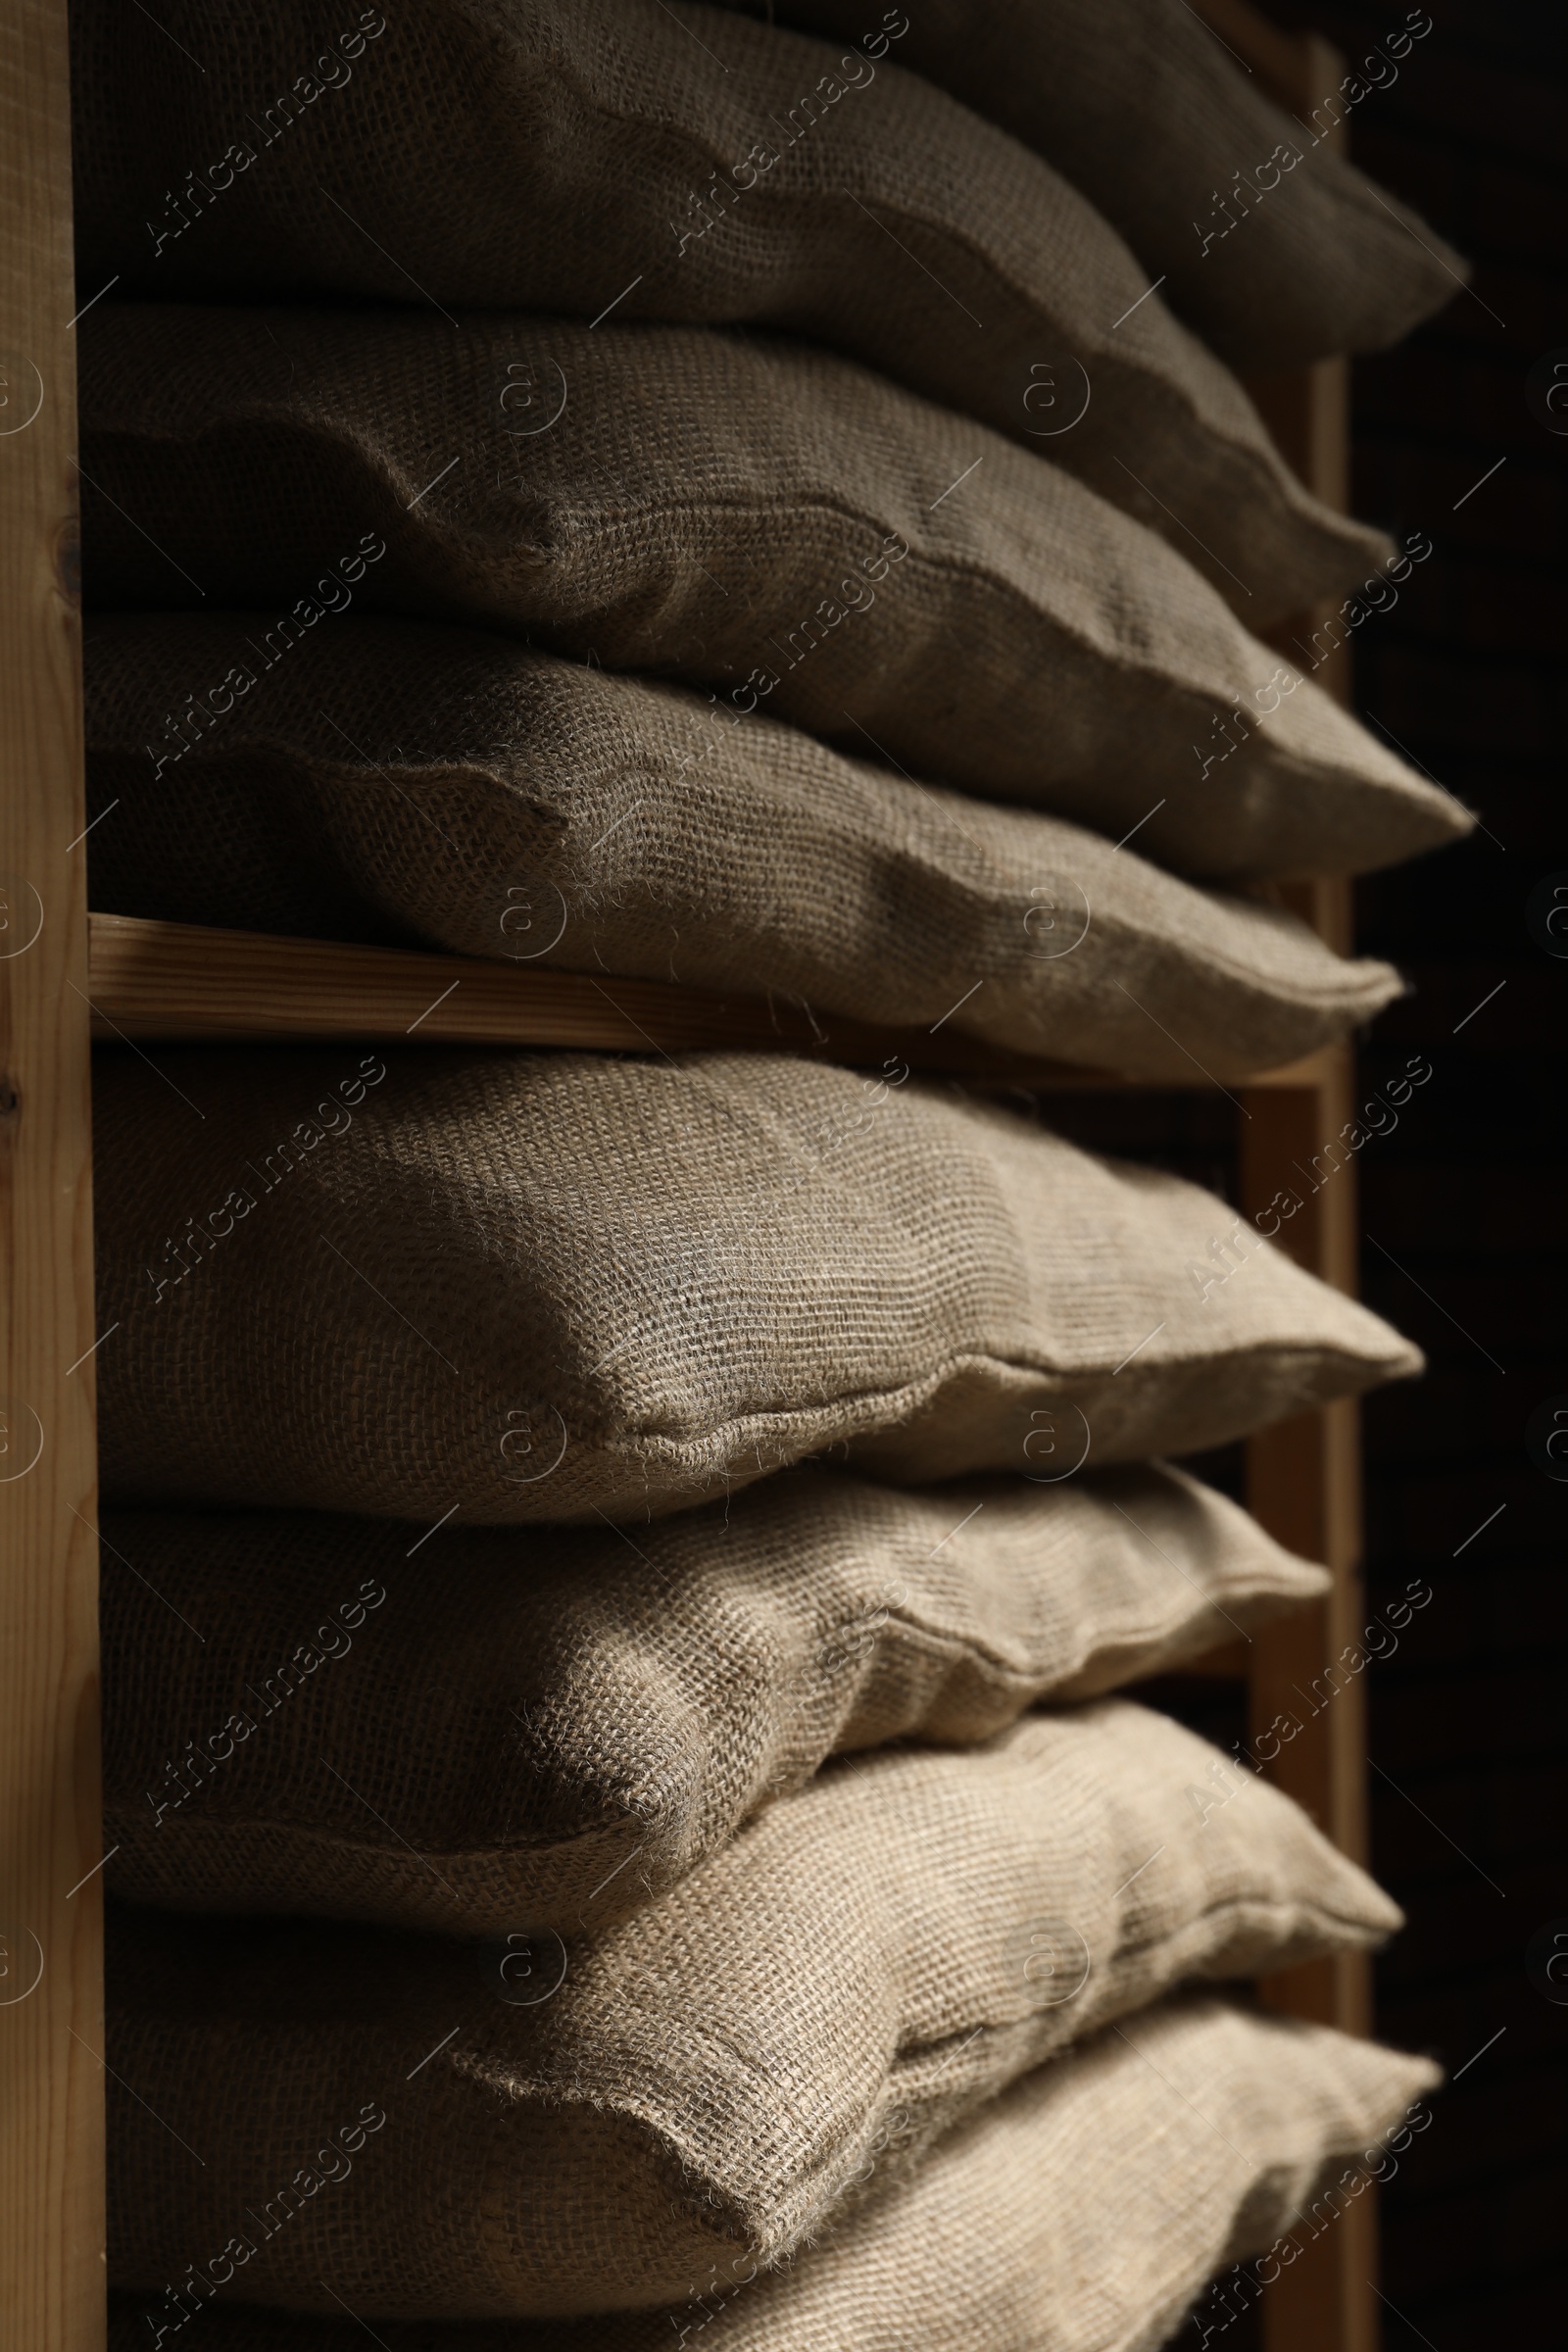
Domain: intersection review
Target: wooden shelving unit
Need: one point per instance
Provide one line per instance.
(65, 976)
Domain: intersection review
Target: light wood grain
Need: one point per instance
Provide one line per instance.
(179, 980)
(51, 2035)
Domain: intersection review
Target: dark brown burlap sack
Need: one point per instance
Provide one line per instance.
(582, 157)
(581, 2125)
(400, 782)
(510, 1286)
(543, 1729)
(758, 516)
(1082, 2210)
(1273, 246)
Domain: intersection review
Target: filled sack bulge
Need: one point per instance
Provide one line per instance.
(1082, 2210)
(408, 783)
(606, 160)
(758, 517)
(546, 1727)
(1260, 232)
(505, 1285)
(585, 2123)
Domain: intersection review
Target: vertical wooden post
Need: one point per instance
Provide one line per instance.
(1306, 1710)
(1304, 1477)
(52, 2282)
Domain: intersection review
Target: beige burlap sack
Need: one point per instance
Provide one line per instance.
(543, 1730)
(1274, 247)
(597, 156)
(507, 1285)
(586, 2126)
(400, 782)
(1080, 2212)
(758, 516)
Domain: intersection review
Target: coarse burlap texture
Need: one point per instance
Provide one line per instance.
(1137, 102)
(544, 1728)
(511, 1286)
(586, 2126)
(1082, 2210)
(556, 154)
(400, 782)
(757, 516)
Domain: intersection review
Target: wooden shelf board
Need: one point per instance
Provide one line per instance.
(179, 980)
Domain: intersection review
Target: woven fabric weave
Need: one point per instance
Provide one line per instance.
(416, 784)
(757, 517)
(537, 1729)
(584, 2125)
(512, 1287)
(1080, 2212)
(1268, 241)
(577, 155)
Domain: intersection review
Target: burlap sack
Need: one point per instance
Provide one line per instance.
(589, 2125)
(508, 1286)
(1274, 247)
(399, 782)
(759, 517)
(569, 156)
(1080, 2212)
(565, 1724)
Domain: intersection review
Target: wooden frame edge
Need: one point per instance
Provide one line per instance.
(51, 1994)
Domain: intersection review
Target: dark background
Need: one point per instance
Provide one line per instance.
(1468, 1720)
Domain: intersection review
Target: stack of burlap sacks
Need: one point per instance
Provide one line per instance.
(614, 1568)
